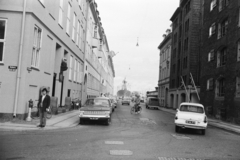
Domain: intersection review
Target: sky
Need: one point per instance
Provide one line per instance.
(128, 22)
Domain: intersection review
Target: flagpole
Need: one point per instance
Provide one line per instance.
(192, 80)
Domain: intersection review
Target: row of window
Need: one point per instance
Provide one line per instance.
(93, 83)
(220, 86)
(165, 54)
(75, 70)
(222, 29)
(222, 56)
(221, 5)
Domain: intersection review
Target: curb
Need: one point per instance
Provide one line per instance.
(8, 126)
(211, 123)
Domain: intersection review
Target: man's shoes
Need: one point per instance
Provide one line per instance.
(39, 126)
(42, 126)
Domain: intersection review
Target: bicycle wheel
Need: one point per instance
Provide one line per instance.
(49, 113)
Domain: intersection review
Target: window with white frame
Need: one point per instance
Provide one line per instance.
(75, 71)
(222, 28)
(238, 51)
(78, 30)
(101, 45)
(70, 68)
(80, 3)
(3, 28)
(74, 26)
(211, 56)
(68, 18)
(210, 84)
(221, 57)
(95, 31)
(60, 18)
(212, 29)
(220, 87)
(36, 47)
(237, 86)
(80, 37)
(213, 4)
(223, 4)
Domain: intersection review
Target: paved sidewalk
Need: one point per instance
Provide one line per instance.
(67, 119)
(212, 122)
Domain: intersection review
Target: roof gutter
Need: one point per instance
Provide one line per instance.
(20, 60)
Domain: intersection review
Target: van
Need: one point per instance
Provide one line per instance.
(152, 102)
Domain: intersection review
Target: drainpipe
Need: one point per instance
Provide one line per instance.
(19, 60)
(84, 59)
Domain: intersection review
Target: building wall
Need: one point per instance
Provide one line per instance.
(56, 44)
(185, 49)
(164, 71)
(225, 107)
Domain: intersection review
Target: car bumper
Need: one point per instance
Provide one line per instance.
(198, 125)
(95, 117)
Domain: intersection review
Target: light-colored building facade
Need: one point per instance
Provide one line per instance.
(164, 69)
(36, 36)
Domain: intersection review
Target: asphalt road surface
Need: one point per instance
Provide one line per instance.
(148, 136)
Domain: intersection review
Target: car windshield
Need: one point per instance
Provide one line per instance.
(97, 102)
(190, 108)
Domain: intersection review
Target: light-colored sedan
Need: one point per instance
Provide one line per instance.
(96, 109)
(191, 115)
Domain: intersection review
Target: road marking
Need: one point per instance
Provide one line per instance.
(121, 152)
(174, 158)
(180, 136)
(114, 142)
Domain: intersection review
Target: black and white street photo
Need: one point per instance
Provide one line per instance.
(119, 80)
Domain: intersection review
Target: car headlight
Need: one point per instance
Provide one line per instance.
(107, 112)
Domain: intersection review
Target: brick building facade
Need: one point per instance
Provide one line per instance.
(220, 59)
(186, 33)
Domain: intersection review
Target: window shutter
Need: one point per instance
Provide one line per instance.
(213, 28)
(238, 87)
(217, 89)
(218, 59)
(219, 31)
(209, 56)
(211, 84)
(220, 5)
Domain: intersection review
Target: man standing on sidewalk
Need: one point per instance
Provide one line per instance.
(43, 105)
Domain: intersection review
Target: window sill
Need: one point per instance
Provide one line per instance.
(47, 73)
(34, 68)
(60, 26)
(42, 4)
(1, 63)
(67, 34)
(52, 16)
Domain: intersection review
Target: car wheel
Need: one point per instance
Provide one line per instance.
(108, 121)
(203, 131)
(177, 129)
(81, 121)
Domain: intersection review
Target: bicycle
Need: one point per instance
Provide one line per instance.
(49, 112)
(133, 110)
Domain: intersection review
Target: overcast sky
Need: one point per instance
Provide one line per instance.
(126, 20)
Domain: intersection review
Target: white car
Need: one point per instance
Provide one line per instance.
(191, 115)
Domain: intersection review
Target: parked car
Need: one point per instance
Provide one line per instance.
(191, 115)
(126, 100)
(97, 109)
(152, 102)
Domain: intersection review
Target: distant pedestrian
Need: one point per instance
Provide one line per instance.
(43, 105)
